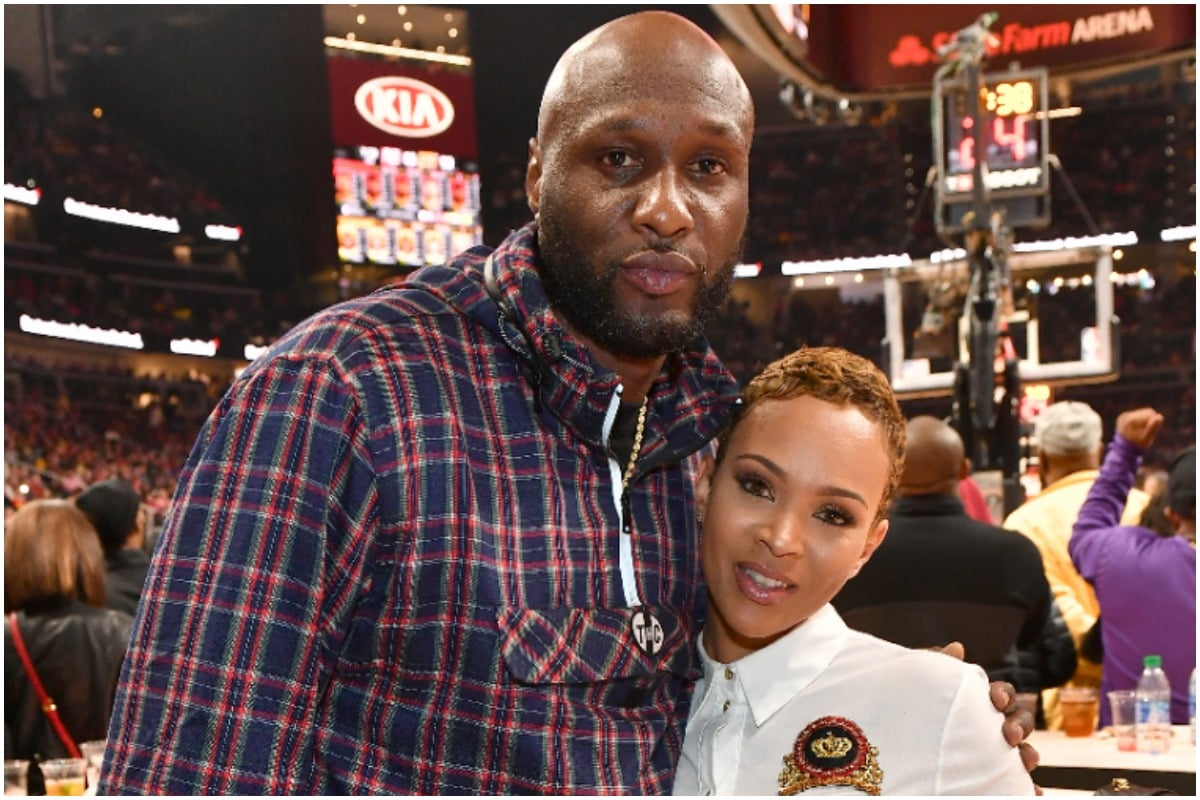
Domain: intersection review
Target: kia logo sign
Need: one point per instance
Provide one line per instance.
(404, 107)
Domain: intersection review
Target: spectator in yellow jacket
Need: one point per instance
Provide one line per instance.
(1069, 438)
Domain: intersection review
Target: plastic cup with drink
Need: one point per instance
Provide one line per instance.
(1080, 706)
(93, 754)
(16, 777)
(1124, 718)
(65, 776)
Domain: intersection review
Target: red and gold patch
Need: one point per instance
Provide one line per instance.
(831, 751)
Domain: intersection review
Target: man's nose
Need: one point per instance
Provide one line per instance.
(662, 206)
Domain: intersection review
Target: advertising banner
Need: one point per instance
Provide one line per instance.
(865, 48)
(383, 103)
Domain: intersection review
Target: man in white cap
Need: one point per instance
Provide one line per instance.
(1069, 437)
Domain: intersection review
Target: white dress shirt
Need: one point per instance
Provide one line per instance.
(927, 716)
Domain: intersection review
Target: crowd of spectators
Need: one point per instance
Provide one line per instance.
(94, 293)
(67, 152)
(70, 424)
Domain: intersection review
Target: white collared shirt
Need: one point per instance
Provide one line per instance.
(927, 715)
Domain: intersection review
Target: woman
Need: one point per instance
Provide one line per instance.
(793, 506)
(54, 583)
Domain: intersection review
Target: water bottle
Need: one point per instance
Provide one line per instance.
(1192, 704)
(1152, 700)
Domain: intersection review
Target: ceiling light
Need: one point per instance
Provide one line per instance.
(398, 52)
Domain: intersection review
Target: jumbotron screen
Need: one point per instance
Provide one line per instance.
(405, 208)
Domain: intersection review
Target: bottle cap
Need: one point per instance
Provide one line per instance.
(1152, 661)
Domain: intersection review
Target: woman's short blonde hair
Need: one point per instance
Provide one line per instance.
(842, 378)
(51, 550)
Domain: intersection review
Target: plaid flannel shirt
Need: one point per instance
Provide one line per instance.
(390, 569)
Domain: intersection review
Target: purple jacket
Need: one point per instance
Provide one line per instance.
(1145, 584)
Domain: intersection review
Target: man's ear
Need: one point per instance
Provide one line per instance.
(704, 485)
(533, 177)
(874, 539)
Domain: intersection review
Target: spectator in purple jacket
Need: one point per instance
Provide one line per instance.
(1145, 579)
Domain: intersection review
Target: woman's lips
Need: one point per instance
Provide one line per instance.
(760, 584)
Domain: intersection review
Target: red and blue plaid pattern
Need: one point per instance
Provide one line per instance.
(387, 570)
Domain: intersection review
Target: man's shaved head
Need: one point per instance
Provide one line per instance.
(934, 459)
(657, 45)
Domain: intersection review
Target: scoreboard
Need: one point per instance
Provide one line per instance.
(1008, 123)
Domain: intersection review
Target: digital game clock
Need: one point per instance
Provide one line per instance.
(1010, 122)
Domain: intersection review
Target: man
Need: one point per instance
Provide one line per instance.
(115, 510)
(942, 576)
(442, 539)
(1069, 444)
(1145, 579)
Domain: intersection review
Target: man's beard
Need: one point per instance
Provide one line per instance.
(587, 301)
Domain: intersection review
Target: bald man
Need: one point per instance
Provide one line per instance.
(442, 539)
(941, 575)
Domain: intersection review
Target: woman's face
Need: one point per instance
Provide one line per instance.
(789, 517)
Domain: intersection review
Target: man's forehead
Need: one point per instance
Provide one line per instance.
(607, 68)
(634, 99)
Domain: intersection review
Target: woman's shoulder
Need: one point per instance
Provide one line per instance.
(912, 667)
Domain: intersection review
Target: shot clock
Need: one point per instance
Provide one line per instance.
(1010, 122)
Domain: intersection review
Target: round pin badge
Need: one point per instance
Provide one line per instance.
(647, 632)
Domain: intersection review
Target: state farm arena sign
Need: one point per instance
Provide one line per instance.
(388, 104)
(864, 48)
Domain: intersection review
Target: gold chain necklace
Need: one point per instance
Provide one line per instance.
(637, 445)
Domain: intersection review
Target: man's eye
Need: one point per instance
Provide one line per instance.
(618, 158)
(711, 166)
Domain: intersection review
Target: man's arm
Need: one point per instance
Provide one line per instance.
(260, 554)
(1101, 511)
(1058, 570)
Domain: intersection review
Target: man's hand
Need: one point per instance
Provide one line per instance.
(1139, 426)
(1018, 722)
(954, 650)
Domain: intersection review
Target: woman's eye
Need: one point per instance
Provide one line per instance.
(832, 515)
(753, 485)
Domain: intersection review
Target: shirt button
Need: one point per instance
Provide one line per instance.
(725, 707)
(728, 674)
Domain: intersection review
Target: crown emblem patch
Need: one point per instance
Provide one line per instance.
(831, 751)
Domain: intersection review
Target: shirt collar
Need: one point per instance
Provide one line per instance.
(928, 505)
(771, 677)
(1079, 476)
